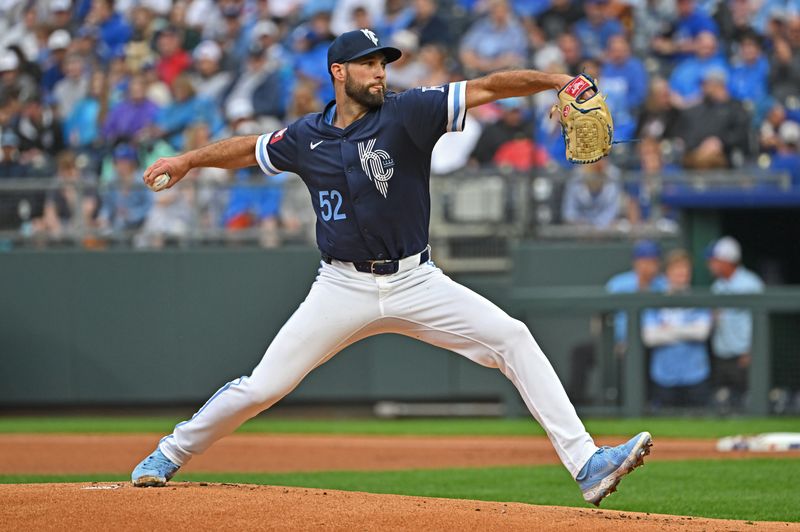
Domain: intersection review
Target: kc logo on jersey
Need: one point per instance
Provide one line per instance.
(377, 164)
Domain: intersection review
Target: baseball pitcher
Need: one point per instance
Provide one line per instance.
(366, 162)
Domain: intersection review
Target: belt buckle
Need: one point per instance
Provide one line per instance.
(372, 264)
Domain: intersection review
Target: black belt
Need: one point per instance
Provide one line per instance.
(379, 267)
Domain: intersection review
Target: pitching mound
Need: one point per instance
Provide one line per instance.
(188, 506)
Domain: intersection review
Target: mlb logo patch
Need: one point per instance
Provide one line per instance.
(277, 136)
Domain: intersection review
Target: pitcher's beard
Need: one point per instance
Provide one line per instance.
(363, 95)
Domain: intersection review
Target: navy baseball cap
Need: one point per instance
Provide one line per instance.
(646, 249)
(358, 43)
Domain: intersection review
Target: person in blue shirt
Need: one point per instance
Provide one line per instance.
(625, 84)
(644, 276)
(114, 30)
(125, 204)
(596, 28)
(679, 42)
(496, 41)
(686, 81)
(749, 76)
(679, 361)
(365, 160)
(731, 342)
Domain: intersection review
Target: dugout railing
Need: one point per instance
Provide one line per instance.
(528, 303)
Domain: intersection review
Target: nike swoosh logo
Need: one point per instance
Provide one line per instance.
(315, 144)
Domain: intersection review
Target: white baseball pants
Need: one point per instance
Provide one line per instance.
(419, 301)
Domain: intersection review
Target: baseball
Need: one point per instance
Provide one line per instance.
(160, 182)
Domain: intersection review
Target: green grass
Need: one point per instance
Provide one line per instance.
(757, 489)
(659, 427)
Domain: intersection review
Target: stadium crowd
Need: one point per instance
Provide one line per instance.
(91, 91)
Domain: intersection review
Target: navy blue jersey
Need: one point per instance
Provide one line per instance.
(369, 182)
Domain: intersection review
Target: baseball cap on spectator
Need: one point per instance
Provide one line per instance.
(8, 61)
(726, 249)
(9, 138)
(125, 152)
(716, 74)
(59, 40)
(646, 249)
(358, 43)
(161, 7)
(789, 133)
(264, 28)
(238, 108)
(207, 50)
(231, 11)
(60, 5)
(405, 40)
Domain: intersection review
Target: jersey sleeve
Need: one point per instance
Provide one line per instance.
(430, 112)
(276, 152)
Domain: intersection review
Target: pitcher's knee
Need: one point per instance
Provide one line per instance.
(266, 395)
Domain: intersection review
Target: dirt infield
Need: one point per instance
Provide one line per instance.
(107, 506)
(74, 453)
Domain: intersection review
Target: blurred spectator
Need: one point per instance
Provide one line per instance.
(23, 34)
(494, 42)
(429, 26)
(687, 79)
(681, 39)
(13, 82)
(735, 19)
(593, 196)
(255, 205)
(508, 143)
(715, 132)
(343, 21)
(652, 19)
(169, 218)
(114, 32)
(304, 101)
(559, 17)
(731, 343)
(260, 84)
(310, 43)
(40, 134)
(234, 37)
(210, 195)
(72, 88)
(131, 115)
(434, 57)
(82, 125)
(749, 76)
(126, 203)
(644, 276)
(624, 84)
(408, 71)
(53, 67)
(452, 151)
(11, 166)
(596, 28)
(571, 52)
(784, 72)
(643, 194)
(768, 133)
(186, 109)
(173, 59)
(69, 209)
(659, 118)
(786, 157)
(679, 362)
(87, 44)
(209, 81)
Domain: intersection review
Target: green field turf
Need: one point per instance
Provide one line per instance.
(757, 489)
(659, 427)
